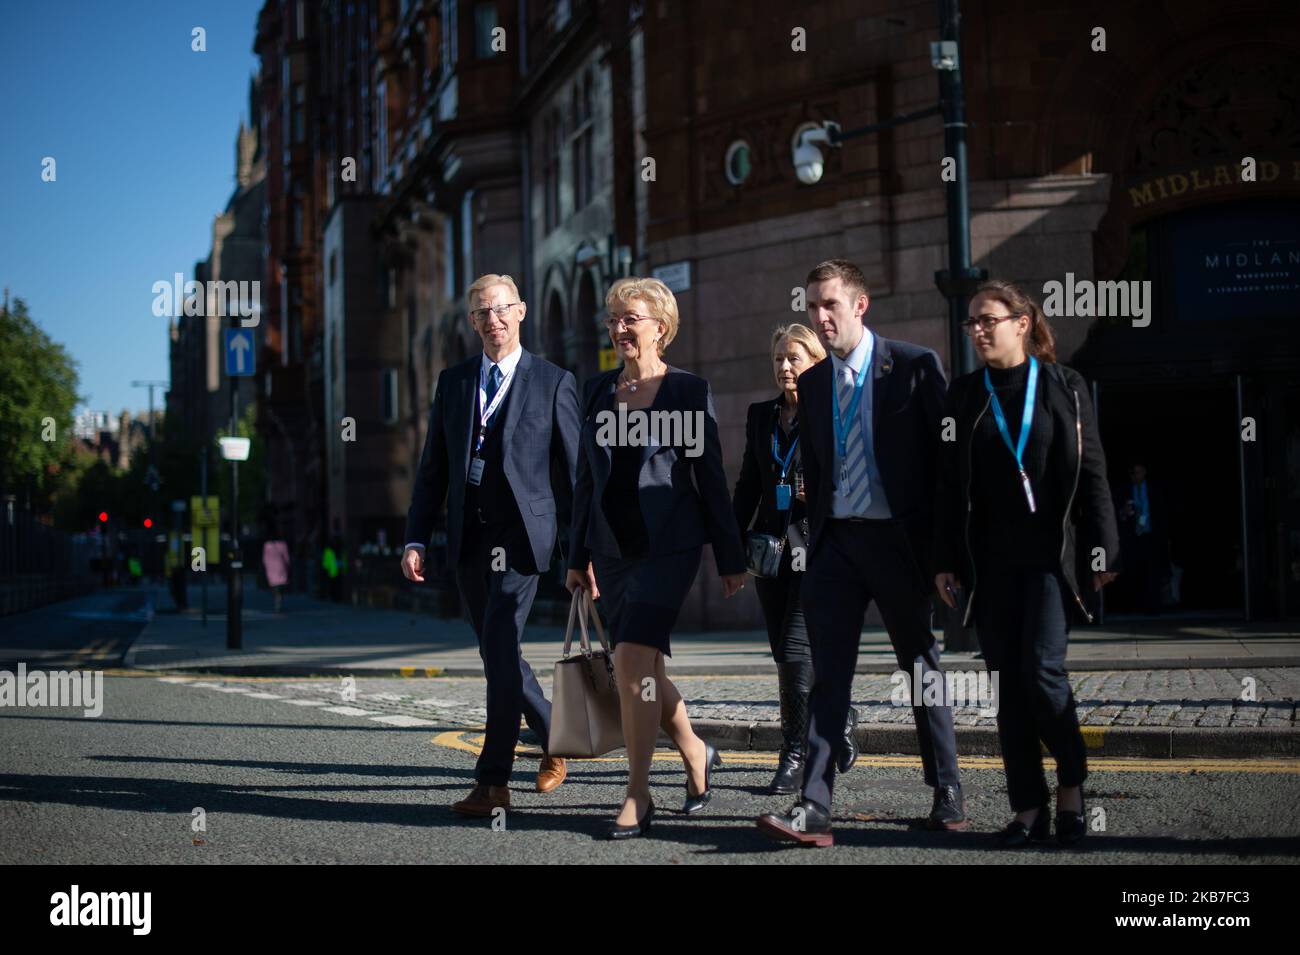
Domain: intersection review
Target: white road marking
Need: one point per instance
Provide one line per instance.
(349, 711)
(398, 719)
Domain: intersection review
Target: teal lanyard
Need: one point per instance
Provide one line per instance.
(784, 462)
(1026, 423)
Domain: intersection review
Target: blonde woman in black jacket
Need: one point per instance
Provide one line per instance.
(1027, 464)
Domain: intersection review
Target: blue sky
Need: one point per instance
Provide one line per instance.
(143, 133)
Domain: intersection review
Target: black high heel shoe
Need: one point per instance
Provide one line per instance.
(1071, 826)
(617, 832)
(1017, 834)
(712, 760)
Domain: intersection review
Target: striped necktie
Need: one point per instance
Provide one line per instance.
(854, 466)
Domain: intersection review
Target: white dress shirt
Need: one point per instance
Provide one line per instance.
(848, 368)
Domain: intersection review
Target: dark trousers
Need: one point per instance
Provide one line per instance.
(497, 602)
(787, 630)
(855, 563)
(1020, 619)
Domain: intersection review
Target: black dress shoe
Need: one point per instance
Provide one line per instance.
(949, 809)
(806, 824)
(849, 751)
(1017, 834)
(1071, 826)
(695, 803)
(617, 832)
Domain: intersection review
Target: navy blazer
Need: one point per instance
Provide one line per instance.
(684, 500)
(907, 394)
(756, 485)
(539, 445)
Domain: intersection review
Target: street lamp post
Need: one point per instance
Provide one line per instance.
(234, 449)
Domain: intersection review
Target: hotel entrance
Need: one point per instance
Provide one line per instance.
(1206, 398)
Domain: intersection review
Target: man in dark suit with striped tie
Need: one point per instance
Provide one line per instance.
(501, 450)
(870, 420)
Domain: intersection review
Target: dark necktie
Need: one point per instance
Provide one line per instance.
(494, 383)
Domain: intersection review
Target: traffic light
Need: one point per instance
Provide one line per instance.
(148, 522)
(103, 517)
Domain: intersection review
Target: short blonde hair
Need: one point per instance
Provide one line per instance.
(486, 282)
(802, 335)
(660, 298)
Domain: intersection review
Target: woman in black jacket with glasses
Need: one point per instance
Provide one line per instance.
(1027, 464)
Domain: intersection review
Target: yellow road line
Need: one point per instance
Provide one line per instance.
(472, 742)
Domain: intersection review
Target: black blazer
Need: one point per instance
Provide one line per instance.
(540, 447)
(907, 392)
(756, 485)
(684, 500)
(1081, 473)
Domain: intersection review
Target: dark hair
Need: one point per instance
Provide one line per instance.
(849, 275)
(1041, 342)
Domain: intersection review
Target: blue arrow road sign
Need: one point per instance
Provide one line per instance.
(241, 360)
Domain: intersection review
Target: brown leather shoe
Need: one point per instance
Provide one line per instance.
(551, 773)
(482, 799)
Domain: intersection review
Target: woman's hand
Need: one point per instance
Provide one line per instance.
(1101, 579)
(947, 585)
(584, 579)
(732, 584)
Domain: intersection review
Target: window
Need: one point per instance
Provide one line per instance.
(450, 46)
(299, 112)
(551, 170)
(737, 163)
(388, 397)
(485, 21)
(582, 144)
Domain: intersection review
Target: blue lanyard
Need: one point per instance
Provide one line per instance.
(1026, 418)
(842, 427)
(776, 455)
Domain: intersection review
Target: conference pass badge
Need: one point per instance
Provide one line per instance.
(783, 497)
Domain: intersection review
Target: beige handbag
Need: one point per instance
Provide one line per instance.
(585, 716)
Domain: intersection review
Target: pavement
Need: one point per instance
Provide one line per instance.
(1158, 689)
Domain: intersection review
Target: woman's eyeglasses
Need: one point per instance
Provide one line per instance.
(626, 319)
(984, 323)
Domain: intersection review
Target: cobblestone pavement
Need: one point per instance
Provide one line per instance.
(1176, 698)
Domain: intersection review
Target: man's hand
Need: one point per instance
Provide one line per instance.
(584, 579)
(732, 584)
(1101, 579)
(413, 564)
(947, 585)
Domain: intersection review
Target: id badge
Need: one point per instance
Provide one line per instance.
(476, 471)
(783, 497)
(1029, 492)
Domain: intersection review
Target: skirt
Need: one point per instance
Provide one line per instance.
(641, 597)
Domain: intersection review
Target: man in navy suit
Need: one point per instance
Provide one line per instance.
(502, 452)
(870, 417)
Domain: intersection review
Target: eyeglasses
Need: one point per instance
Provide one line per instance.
(628, 320)
(480, 314)
(984, 323)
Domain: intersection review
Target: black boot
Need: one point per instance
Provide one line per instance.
(795, 682)
(849, 751)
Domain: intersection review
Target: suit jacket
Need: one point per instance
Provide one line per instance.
(539, 445)
(684, 500)
(756, 485)
(1081, 472)
(907, 395)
